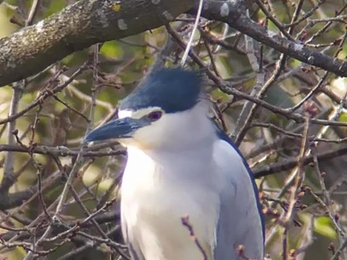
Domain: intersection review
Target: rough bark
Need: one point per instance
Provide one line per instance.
(233, 13)
(78, 26)
(87, 22)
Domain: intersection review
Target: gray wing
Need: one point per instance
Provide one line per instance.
(240, 220)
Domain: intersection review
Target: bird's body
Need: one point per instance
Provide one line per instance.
(162, 235)
(195, 175)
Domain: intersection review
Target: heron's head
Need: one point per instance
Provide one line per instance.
(166, 110)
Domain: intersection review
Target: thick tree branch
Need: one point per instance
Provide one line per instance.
(87, 22)
(290, 163)
(78, 26)
(12, 200)
(232, 13)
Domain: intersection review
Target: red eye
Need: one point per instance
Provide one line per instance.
(155, 115)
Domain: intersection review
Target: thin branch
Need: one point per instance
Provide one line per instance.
(192, 34)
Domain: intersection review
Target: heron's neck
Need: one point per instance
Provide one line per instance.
(194, 135)
(171, 163)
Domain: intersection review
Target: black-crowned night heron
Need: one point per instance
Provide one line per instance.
(181, 164)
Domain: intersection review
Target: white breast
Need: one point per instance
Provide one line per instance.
(154, 200)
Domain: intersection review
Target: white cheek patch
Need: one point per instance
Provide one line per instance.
(138, 113)
(125, 113)
(147, 137)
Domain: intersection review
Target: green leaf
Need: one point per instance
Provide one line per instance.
(111, 49)
(343, 117)
(324, 226)
(321, 225)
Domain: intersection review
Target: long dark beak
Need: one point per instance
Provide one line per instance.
(116, 128)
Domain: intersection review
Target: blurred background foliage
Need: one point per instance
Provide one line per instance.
(112, 70)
